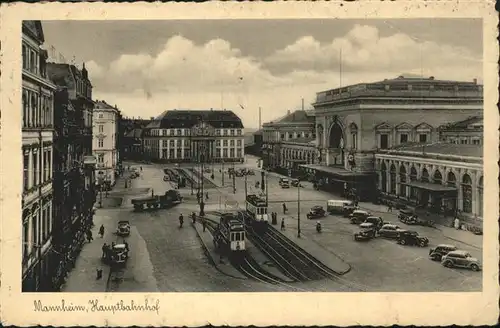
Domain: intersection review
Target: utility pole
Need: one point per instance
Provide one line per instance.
(260, 117)
(298, 210)
(234, 181)
(222, 163)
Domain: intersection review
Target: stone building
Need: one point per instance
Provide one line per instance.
(173, 136)
(466, 132)
(354, 123)
(74, 178)
(105, 147)
(37, 150)
(289, 139)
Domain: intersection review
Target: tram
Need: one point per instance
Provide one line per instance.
(256, 208)
(229, 235)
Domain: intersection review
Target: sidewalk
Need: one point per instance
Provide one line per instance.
(462, 236)
(83, 276)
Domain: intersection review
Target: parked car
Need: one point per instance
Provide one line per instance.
(367, 232)
(405, 214)
(316, 212)
(358, 216)
(338, 206)
(123, 228)
(390, 231)
(250, 172)
(348, 209)
(412, 238)
(119, 254)
(436, 254)
(376, 221)
(295, 182)
(461, 259)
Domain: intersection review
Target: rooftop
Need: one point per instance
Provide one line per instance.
(438, 148)
(173, 119)
(472, 123)
(298, 116)
(404, 86)
(102, 104)
(135, 133)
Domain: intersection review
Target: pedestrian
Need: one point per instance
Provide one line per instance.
(141, 168)
(126, 186)
(126, 245)
(99, 274)
(456, 223)
(206, 194)
(101, 230)
(89, 236)
(204, 224)
(282, 224)
(389, 207)
(284, 208)
(104, 250)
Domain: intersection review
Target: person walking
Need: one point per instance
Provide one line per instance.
(99, 274)
(206, 194)
(284, 208)
(104, 250)
(89, 236)
(389, 207)
(204, 224)
(101, 231)
(282, 224)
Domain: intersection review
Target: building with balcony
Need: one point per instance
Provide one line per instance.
(354, 123)
(466, 132)
(106, 120)
(37, 149)
(177, 135)
(289, 141)
(74, 177)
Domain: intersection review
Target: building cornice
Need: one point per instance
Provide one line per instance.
(433, 160)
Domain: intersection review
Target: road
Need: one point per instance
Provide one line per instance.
(166, 258)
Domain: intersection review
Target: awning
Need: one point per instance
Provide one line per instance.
(430, 186)
(335, 171)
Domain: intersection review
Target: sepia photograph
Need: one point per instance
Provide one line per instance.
(186, 159)
(250, 155)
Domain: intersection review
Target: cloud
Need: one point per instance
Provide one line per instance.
(363, 49)
(216, 74)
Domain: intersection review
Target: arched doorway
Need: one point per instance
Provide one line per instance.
(424, 194)
(393, 179)
(480, 197)
(383, 174)
(466, 194)
(336, 135)
(425, 175)
(413, 177)
(402, 181)
(451, 203)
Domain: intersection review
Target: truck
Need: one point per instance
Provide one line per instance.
(169, 199)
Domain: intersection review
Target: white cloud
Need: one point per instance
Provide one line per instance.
(186, 75)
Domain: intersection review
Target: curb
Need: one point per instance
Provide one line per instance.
(210, 257)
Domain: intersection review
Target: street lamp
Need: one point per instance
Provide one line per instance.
(298, 209)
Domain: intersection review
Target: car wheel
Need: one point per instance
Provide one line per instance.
(422, 243)
(402, 242)
(448, 264)
(474, 267)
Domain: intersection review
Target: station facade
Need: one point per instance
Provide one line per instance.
(359, 129)
(195, 135)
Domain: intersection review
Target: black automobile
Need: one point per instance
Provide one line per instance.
(358, 216)
(367, 232)
(295, 182)
(316, 212)
(348, 209)
(441, 250)
(405, 214)
(412, 238)
(250, 172)
(376, 221)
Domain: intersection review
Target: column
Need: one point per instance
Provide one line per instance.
(474, 195)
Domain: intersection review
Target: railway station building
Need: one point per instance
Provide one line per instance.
(194, 135)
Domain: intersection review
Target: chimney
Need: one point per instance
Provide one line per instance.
(431, 78)
(475, 81)
(288, 112)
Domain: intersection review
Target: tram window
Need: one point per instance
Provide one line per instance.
(265, 210)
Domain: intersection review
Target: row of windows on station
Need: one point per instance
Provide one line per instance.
(185, 143)
(187, 132)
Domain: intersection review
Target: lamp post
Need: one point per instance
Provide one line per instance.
(234, 180)
(298, 209)
(222, 164)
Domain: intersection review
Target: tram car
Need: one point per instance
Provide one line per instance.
(256, 208)
(229, 235)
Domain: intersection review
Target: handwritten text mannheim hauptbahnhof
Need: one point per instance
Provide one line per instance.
(98, 306)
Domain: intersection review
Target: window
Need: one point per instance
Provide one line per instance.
(25, 57)
(384, 141)
(100, 143)
(403, 138)
(26, 232)
(238, 153)
(238, 142)
(231, 142)
(26, 176)
(101, 128)
(100, 115)
(34, 231)
(475, 141)
(231, 152)
(232, 132)
(36, 168)
(100, 158)
(224, 152)
(49, 159)
(224, 143)
(218, 143)
(463, 141)
(171, 132)
(217, 152)
(179, 132)
(422, 137)
(282, 136)
(290, 135)
(239, 132)
(354, 137)
(225, 132)
(43, 232)
(179, 153)
(171, 143)
(217, 132)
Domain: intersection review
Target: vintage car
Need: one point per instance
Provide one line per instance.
(123, 228)
(358, 216)
(119, 254)
(405, 214)
(367, 232)
(250, 172)
(295, 183)
(461, 259)
(412, 238)
(376, 221)
(416, 220)
(437, 253)
(390, 231)
(316, 212)
(348, 209)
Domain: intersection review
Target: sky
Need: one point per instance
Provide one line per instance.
(147, 67)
